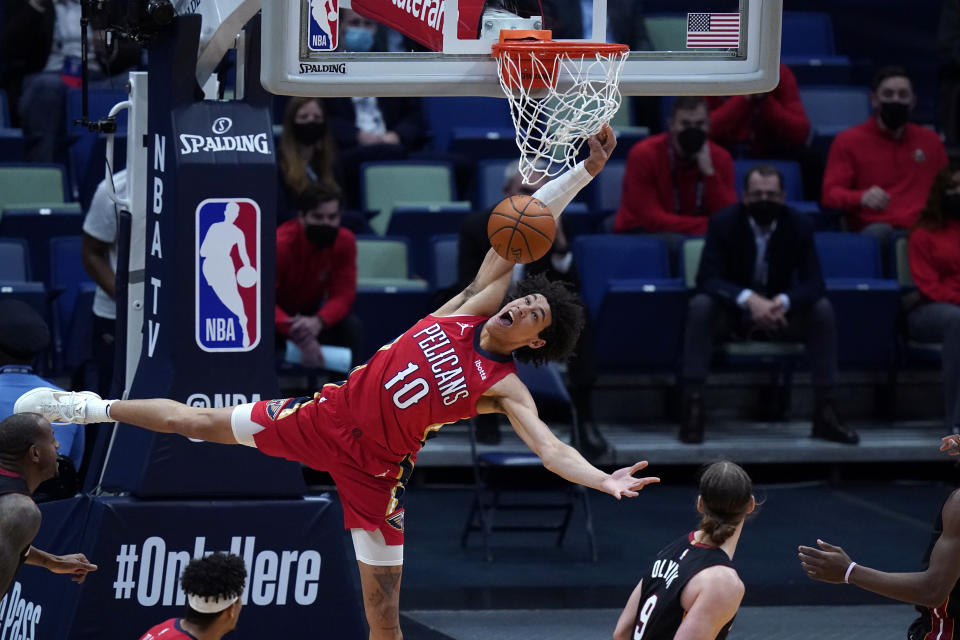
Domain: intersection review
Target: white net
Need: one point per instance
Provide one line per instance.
(582, 94)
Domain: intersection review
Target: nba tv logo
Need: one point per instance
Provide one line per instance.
(322, 25)
(228, 275)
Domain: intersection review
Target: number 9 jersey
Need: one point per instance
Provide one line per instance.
(660, 611)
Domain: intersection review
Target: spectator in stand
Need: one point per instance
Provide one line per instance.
(40, 45)
(760, 278)
(317, 277)
(99, 254)
(934, 247)
(768, 125)
(948, 44)
(366, 128)
(675, 180)
(306, 151)
(23, 336)
(557, 265)
(880, 172)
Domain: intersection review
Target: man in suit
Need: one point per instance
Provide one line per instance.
(760, 278)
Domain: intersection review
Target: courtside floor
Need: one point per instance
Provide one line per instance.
(867, 622)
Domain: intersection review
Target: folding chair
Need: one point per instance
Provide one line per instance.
(547, 388)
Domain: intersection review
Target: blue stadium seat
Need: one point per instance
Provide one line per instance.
(4, 109)
(444, 250)
(632, 300)
(607, 187)
(385, 185)
(484, 142)
(446, 113)
(14, 259)
(808, 47)
(35, 295)
(866, 305)
(11, 145)
(36, 227)
(418, 224)
(405, 307)
(792, 177)
(32, 184)
(831, 109)
(82, 141)
(491, 176)
(72, 307)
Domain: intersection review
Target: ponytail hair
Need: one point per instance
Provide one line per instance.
(725, 493)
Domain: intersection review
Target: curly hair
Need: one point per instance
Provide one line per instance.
(567, 319)
(725, 492)
(931, 217)
(217, 575)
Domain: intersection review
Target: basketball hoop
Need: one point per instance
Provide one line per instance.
(560, 94)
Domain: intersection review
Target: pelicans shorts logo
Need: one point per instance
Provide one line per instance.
(228, 275)
(322, 25)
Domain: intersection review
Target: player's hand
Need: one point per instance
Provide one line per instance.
(75, 564)
(601, 146)
(826, 564)
(875, 198)
(951, 444)
(621, 482)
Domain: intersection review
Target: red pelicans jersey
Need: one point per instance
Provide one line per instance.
(430, 376)
(167, 630)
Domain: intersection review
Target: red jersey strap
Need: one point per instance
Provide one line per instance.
(8, 473)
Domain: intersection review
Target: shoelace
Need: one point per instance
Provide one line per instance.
(69, 408)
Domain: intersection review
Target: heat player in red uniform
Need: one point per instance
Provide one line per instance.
(213, 586)
(935, 590)
(453, 364)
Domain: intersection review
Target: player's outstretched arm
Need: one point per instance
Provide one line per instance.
(716, 593)
(484, 295)
(19, 524)
(928, 588)
(510, 396)
(625, 623)
(74, 564)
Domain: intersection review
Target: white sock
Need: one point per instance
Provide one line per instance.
(98, 410)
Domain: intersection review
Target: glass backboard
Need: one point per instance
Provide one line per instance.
(442, 47)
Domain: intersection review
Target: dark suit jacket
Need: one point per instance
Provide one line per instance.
(729, 256)
(401, 115)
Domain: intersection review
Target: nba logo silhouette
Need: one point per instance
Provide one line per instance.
(228, 274)
(322, 25)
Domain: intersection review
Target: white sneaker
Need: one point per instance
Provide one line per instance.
(78, 407)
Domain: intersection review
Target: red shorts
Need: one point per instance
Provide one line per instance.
(369, 482)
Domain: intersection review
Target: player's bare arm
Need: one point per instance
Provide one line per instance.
(75, 565)
(484, 295)
(19, 524)
(625, 623)
(711, 599)
(511, 397)
(928, 588)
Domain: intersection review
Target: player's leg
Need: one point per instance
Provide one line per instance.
(161, 415)
(381, 566)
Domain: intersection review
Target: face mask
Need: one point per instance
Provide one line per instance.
(950, 206)
(691, 139)
(308, 132)
(764, 212)
(894, 114)
(358, 39)
(322, 236)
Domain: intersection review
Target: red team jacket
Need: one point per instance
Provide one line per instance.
(649, 189)
(935, 262)
(866, 155)
(309, 279)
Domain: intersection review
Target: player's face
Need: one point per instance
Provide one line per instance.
(524, 318)
(45, 455)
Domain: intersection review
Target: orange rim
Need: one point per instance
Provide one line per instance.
(524, 45)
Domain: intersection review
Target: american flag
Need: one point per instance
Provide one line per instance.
(713, 30)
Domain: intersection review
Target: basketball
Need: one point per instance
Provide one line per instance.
(246, 277)
(521, 229)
